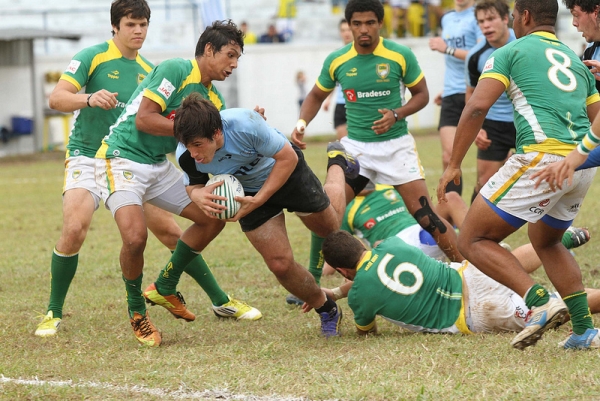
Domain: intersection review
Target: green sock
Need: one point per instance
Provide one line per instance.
(135, 299)
(62, 270)
(199, 271)
(581, 317)
(567, 241)
(316, 262)
(169, 276)
(536, 296)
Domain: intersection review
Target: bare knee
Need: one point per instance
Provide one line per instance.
(280, 266)
(135, 241)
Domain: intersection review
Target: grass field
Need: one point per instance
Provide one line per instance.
(96, 357)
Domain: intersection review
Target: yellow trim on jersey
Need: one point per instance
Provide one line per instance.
(368, 327)
(547, 35)
(214, 98)
(112, 53)
(155, 98)
(379, 187)
(72, 80)
(384, 52)
(461, 322)
(195, 76)
(514, 178)
(352, 211)
(142, 63)
(337, 62)
(497, 77)
(101, 152)
(552, 146)
(592, 99)
(324, 89)
(367, 255)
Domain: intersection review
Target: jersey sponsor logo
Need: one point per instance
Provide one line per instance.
(391, 213)
(121, 105)
(369, 224)
(76, 174)
(574, 208)
(362, 95)
(171, 115)
(350, 95)
(544, 203)
(383, 70)
(390, 195)
(140, 78)
(489, 65)
(353, 72)
(113, 74)
(73, 66)
(166, 88)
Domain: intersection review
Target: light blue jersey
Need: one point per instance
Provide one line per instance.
(502, 110)
(339, 95)
(460, 31)
(247, 153)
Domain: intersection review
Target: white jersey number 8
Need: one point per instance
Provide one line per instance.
(562, 67)
(393, 283)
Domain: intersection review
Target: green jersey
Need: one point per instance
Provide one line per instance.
(167, 85)
(549, 88)
(371, 82)
(379, 215)
(400, 283)
(95, 68)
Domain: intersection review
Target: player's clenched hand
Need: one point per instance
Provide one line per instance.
(104, 99)
(556, 173)
(450, 174)
(247, 205)
(298, 134)
(482, 141)
(205, 199)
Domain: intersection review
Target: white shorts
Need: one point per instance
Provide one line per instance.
(158, 184)
(492, 307)
(80, 173)
(512, 190)
(393, 162)
(412, 236)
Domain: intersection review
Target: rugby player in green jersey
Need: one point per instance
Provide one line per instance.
(533, 69)
(132, 168)
(109, 72)
(373, 73)
(403, 285)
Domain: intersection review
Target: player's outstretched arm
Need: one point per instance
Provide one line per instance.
(308, 111)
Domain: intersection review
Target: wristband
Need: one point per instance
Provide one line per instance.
(395, 114)
(88, 100)
(301, 126)
(450, 51)
(337, 292)
(589, 142)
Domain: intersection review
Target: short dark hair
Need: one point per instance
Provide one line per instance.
(137, 9)
(219, 34)
(499, 5)
(360, 6)
(342, 250)
(543, 12)
(196, 118)
(587, 6)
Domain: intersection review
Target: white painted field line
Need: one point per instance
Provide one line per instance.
(182, 393)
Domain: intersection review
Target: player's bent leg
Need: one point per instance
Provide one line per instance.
(417, 201)
(162, 224)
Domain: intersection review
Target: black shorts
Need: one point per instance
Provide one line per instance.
(302, 192)
(452, 107)
(502, 135)
(339, 115)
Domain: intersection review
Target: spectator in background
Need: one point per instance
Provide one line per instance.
(249, 36)
(286, 19)
(272, 36)
(301, 82)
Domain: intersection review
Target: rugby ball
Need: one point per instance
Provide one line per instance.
(230, 189)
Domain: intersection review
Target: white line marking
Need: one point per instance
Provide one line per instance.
(182, 393)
